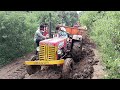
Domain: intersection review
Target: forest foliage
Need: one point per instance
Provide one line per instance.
(104, 29)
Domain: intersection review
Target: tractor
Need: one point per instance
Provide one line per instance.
(59, 52)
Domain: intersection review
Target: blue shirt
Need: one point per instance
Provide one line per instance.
(62, 34)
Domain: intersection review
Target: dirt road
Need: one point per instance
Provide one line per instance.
(16, 69)
(89, 67)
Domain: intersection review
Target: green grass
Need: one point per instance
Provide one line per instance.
(106, 34)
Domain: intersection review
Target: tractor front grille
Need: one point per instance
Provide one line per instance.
(52, 53)
(42, 52)
(47, 52)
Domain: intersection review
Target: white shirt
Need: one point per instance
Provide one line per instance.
(38, 35)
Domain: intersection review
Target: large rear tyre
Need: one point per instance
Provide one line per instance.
(67, 67)
(76, 51)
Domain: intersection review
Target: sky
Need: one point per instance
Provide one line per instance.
(79, 12)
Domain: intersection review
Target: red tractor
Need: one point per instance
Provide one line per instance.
(59, 52)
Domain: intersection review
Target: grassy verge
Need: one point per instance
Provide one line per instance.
(104, 30)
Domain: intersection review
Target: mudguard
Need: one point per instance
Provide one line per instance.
(77, 37)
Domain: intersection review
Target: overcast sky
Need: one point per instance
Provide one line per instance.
(79, 12)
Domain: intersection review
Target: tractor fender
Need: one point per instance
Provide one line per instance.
(77, 37)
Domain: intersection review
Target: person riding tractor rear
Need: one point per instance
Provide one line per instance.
(61, 32)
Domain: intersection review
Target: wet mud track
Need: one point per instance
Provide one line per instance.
(81, 70)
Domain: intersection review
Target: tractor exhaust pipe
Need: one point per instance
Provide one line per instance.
(50, 26)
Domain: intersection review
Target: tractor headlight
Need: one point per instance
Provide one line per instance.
(59, 52)
(38, 49)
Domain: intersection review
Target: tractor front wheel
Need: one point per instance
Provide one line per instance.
(31, 69)
(67, 67)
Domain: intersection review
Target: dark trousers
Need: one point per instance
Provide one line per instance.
(37, 42)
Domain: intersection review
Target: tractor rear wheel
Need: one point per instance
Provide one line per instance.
(67, 67)
(76, 51)
(31, 69)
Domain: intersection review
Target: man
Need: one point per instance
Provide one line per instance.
(39, 36)
(61, 32)
(46, 33)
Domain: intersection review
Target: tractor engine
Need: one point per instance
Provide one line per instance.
(52, 49)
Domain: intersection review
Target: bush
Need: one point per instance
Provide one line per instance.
(14, 37)
(104, 30)
(17, 30)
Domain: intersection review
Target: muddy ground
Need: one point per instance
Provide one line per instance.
(89, 67)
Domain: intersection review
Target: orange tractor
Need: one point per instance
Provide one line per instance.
(58, 52)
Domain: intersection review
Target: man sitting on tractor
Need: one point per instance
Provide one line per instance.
(61, 32)
(39, 36)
